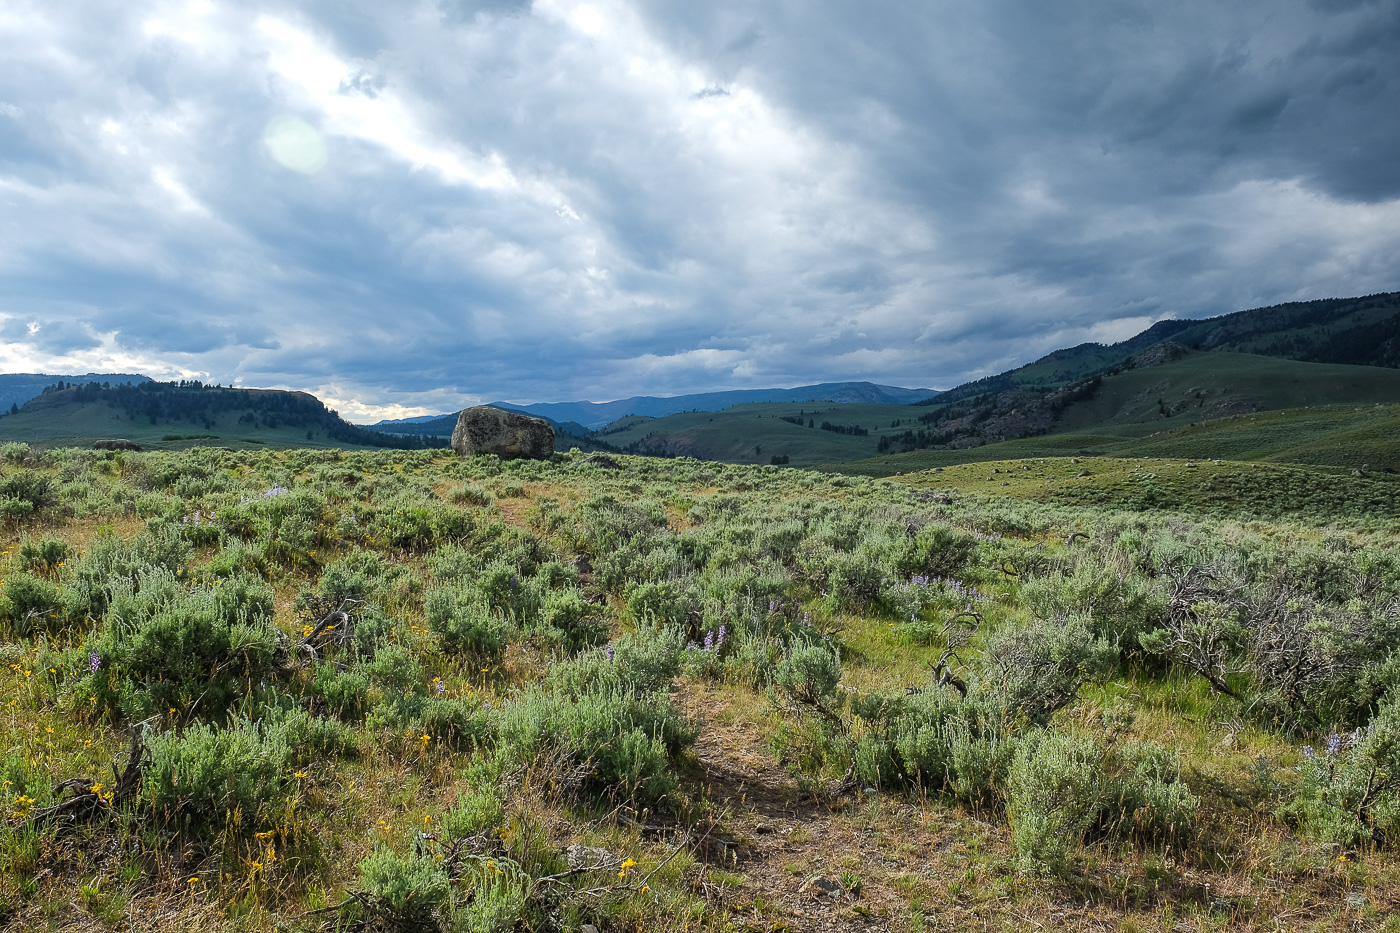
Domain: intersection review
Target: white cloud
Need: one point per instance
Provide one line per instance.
(407, 208)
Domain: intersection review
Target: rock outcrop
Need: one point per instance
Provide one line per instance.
(116, 443)
(507, 434)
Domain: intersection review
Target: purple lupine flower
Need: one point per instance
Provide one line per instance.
(709, 641)
(609, 650)
(94, 662)
(1308, 751)
(514, 582)
(441, 687)
(1334, 744)
(722, 633)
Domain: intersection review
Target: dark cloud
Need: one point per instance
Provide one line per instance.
(492, 198)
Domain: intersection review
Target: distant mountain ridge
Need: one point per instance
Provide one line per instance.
(594, 415)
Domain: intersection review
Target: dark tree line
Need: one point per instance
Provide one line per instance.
(194, 403)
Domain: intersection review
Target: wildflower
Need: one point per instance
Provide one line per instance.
(299, 775)
(266, 835)
(1334, 744)
(427, 820)
(425, 739)
(625, 866)
(609, 650)
(96, 788)
(94, 662)
(1308, 751)
(194, 880)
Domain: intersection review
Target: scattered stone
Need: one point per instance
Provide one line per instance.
(588, 928)
(1190, 466)
(1084, 473)
(507, 434)
(582, 564)
(1229, 741)
(819, 885)
(589, 857)
(116, 443)
(763, 828)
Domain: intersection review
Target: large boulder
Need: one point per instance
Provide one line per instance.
(116, 443)
(507, 434)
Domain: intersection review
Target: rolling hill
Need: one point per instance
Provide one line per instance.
(174, 415)
(18, 388)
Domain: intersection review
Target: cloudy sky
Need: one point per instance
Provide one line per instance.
(410, 206)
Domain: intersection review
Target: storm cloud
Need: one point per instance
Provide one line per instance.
(411, 207)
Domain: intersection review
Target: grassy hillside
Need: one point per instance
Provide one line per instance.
(1220, 488)
(1202, 386)
(1339, 435)
(757, 433)
(1355, 331)
(177, 415)
(79, 425)
(1165, 387)
(1122, 412)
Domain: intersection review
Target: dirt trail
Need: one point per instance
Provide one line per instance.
(792, 852)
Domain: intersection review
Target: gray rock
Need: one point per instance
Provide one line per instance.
(593, 858)
(116, 443)
(819, 885)
(507, 434)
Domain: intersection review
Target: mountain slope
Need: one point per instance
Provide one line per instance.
(1361, 331)
(1165, 386)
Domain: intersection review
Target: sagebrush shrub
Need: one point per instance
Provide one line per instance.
(165, 647)
(202, 776)
(1349, 789)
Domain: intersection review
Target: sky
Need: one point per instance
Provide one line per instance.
(409, 207)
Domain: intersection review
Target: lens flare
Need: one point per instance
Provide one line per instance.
(295, 144)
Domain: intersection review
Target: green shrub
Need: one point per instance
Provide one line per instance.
(463, 622)
(619, 742)
(642, 662)
(471, 494)
(345, 692)
(1349, 790)
(14, 452)
(201, 777)
(408, 888)
(165, 647)
(479, 807)
(43, 556)
(31, 604)
(27, 491)
(1054, 790)
(1035, 670)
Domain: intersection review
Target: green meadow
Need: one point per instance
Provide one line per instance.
(322, 689)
